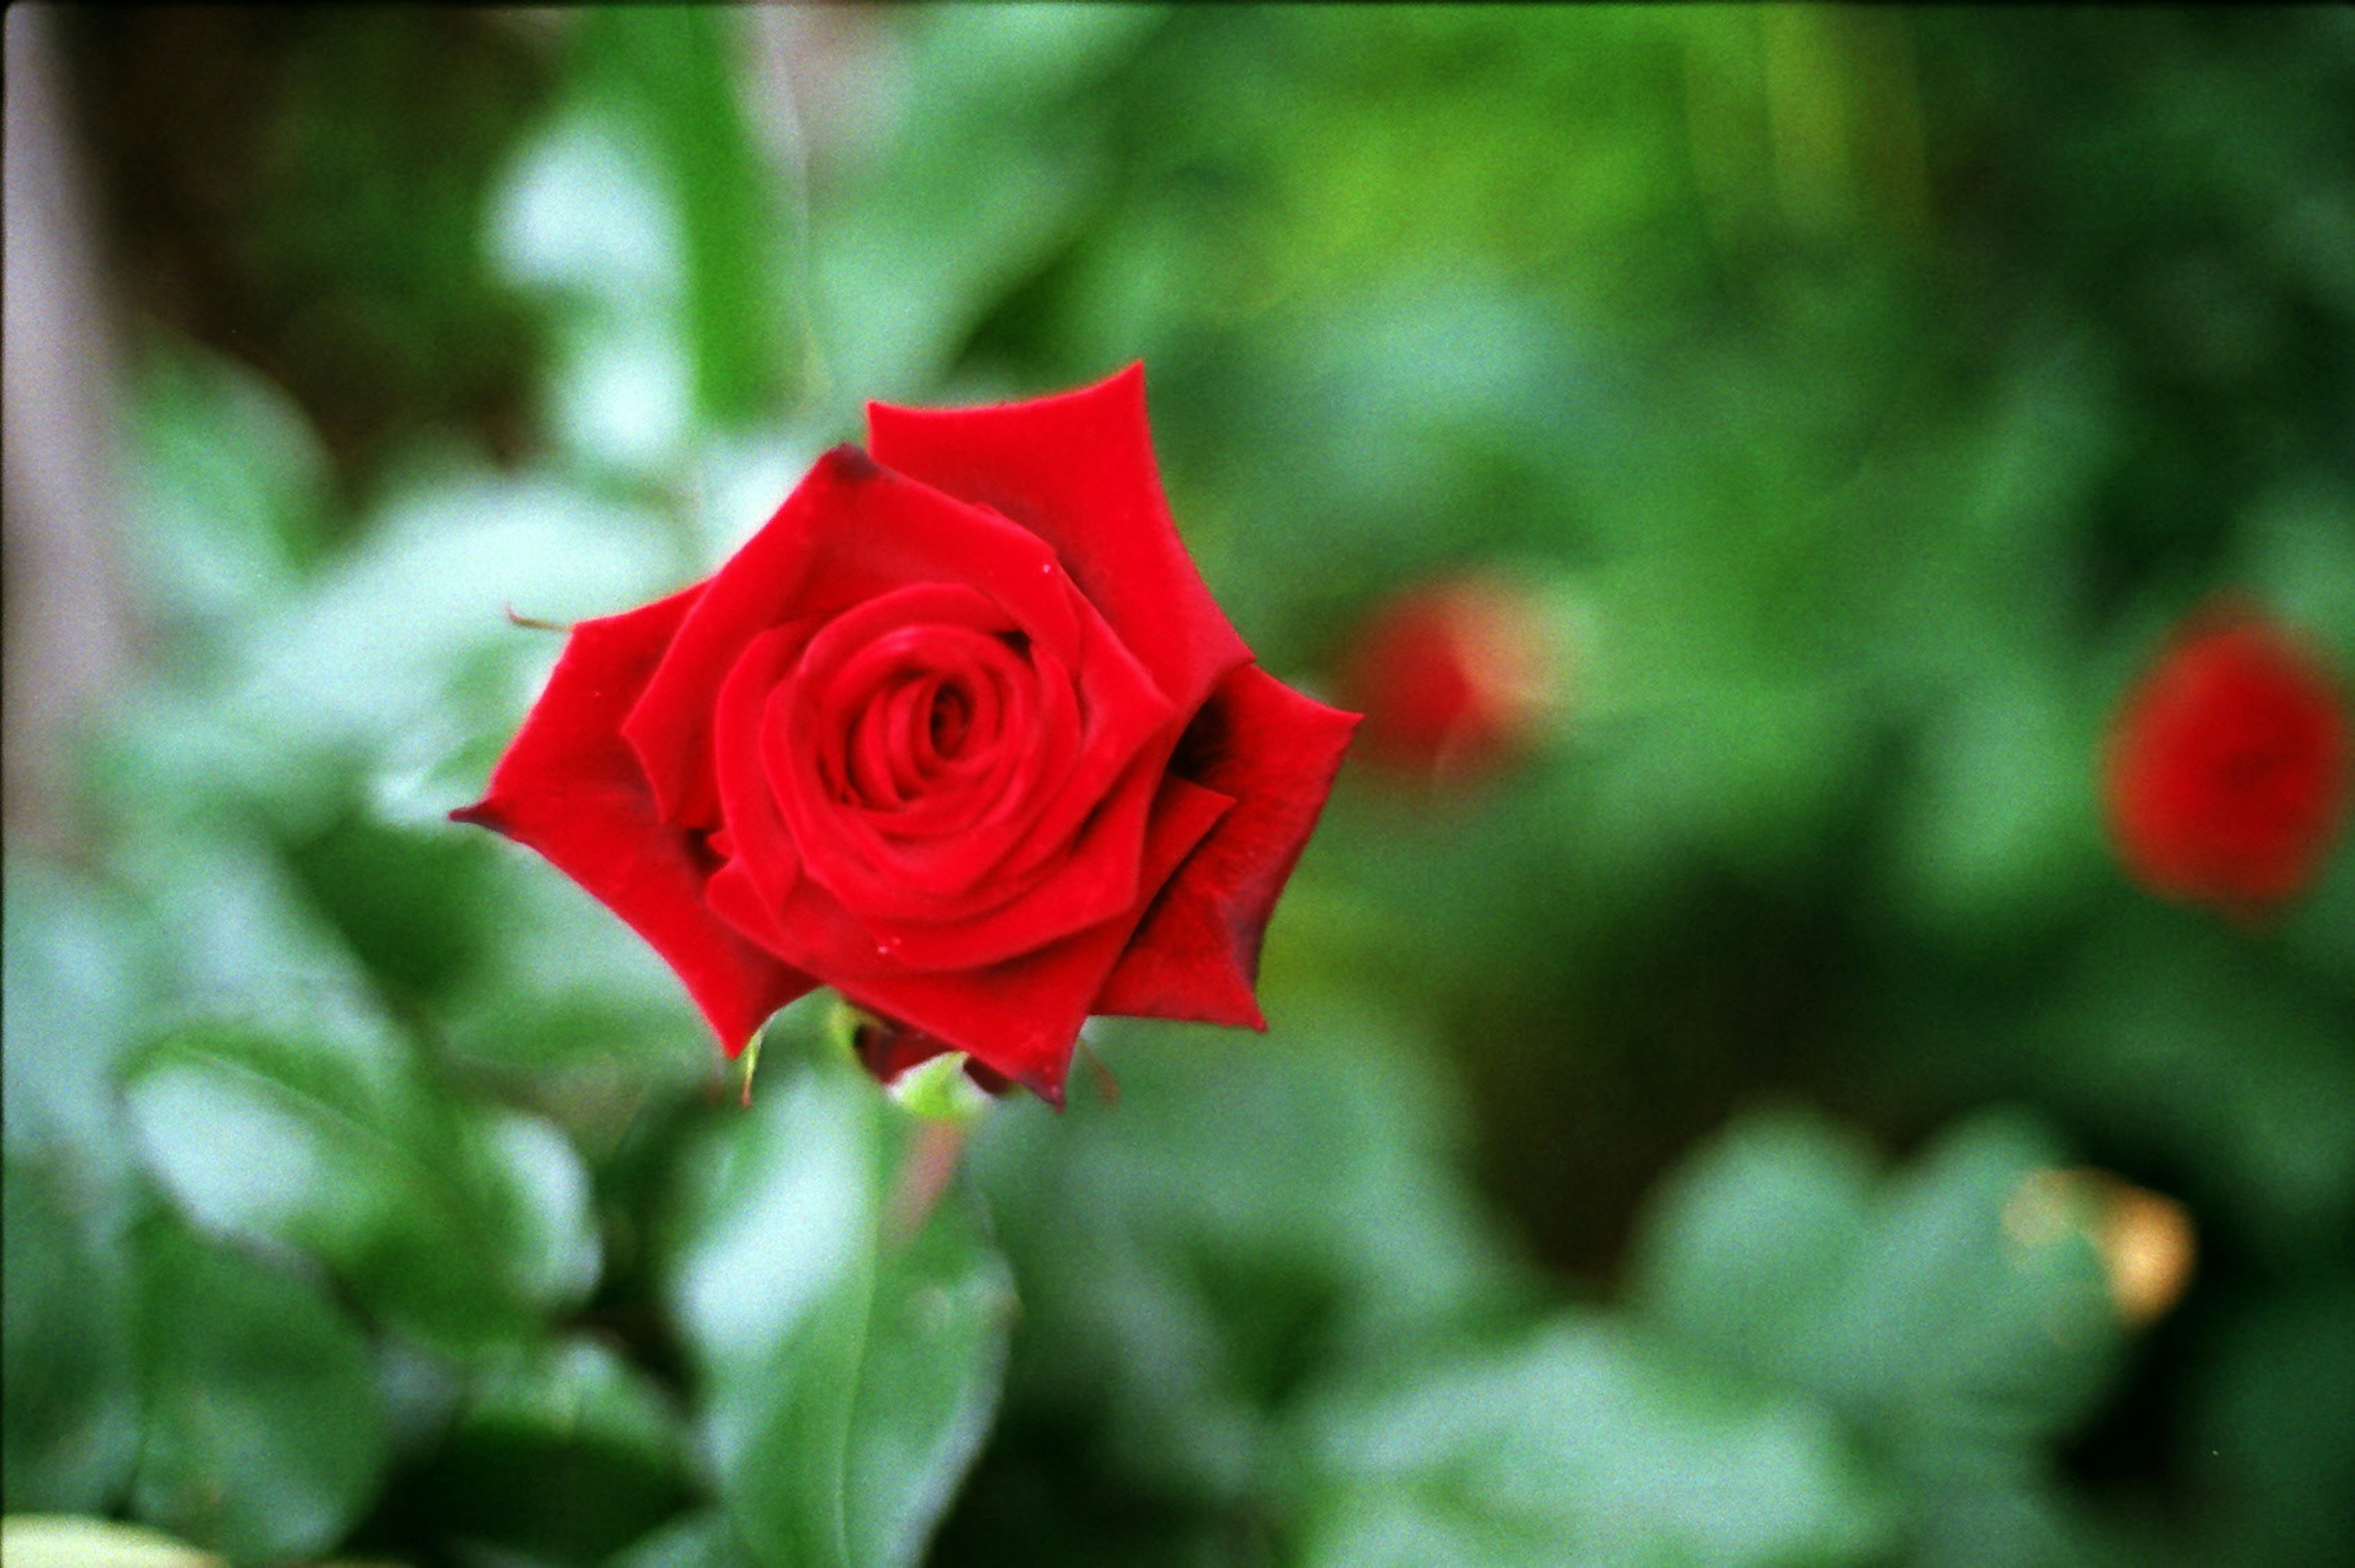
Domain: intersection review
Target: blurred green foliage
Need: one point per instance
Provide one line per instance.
(1652, 1157)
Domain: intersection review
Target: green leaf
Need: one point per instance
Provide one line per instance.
(541, 1190)
(396, 657)
(2267, 1429)
(565, 1453)
(1979, 1304)
(2211, 1051)
(2003, 842)
(984, 181)
(1958, 1312)
(409, 901)
(572, 1004)
(1580, 1444)
(848, 1365)
(79, 974)
(1245, 1219)
(1751, 1237)
(69, 1405)
(79, 977)
(265, 1434)
(587, 217)
(228, 485)
(460, 1224)
(680, 68)
(694, 1540)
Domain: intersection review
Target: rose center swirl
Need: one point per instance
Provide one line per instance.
(923, 717)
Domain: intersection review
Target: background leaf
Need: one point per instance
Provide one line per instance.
(1233, 1229)
(848, 1348)
(562, 1452)
(1580, 1444)
(69, 1400)
(459, 1226)
(263, 1435)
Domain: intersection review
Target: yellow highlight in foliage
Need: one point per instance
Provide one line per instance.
(2147, 1242)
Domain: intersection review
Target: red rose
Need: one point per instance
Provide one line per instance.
(2228, 765)
(959, 732)
(1454, 677)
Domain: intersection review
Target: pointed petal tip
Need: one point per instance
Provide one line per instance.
(848, 463)
(1048, 1089)
(481, 814)
(1124, 387)
(1127, 381)
(1239, 1009)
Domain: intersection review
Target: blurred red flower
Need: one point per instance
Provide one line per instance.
(2228, 765)
(1455, 676)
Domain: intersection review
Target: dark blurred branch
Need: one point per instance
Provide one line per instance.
(70, 621)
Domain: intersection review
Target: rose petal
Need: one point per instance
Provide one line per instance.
(1022, 1017)
(1124, 713)
(761, 844)
(847, 689)
(1077, 470)
(890, 1048)
(849, 532)
(982, 778)
(922, 860)
(571, 788)
(1055, 852)
(736, 896)
(1099, 879)
(1196, 955)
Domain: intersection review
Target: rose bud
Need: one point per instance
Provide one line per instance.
(2228, 766)
(959, 732)
(1454, 677)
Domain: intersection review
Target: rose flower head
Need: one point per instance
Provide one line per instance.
(2228, 765)
(959, 732)
(1455, 676)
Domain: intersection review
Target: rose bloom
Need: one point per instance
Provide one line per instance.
(2228, 765)
(959, 732)
(1455, 676)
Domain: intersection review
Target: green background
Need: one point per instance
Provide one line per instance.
(1633, 1173)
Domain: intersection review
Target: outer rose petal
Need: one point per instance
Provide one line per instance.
(1022, 1017)
(570, 787)
(1077, 469)
(890, 1047)
(1196, 955)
